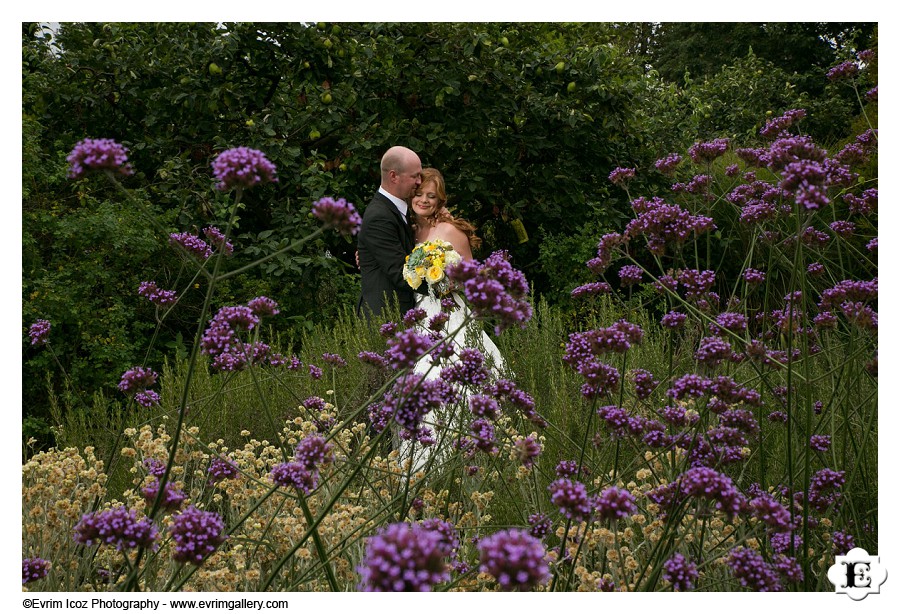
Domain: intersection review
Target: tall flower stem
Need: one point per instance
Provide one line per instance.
(131, 582)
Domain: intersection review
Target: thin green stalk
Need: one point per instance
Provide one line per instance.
(131, 582)
(327, 508)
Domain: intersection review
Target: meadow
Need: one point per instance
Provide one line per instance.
(704, 420)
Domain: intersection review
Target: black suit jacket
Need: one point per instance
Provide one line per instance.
(384, 241)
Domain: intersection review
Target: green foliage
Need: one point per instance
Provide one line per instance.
(697, 49)
(85, 249)
(499, 120)
(83, 257)
(526, 120)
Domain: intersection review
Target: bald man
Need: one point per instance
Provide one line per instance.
(385, 238)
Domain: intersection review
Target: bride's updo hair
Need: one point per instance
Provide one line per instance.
(434, 176)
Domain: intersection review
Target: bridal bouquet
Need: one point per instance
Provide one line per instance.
(428, 262)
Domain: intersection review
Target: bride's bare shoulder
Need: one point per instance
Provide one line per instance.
(447, 231)
(456, 237)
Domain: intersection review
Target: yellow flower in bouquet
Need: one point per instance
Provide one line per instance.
(428, 262)
(434, 274)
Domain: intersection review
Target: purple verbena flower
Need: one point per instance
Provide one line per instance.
(136, 379)
(154, 467)
(338, 214)
(630, 275)
(866, 56)
(706, 483)
(644, 383)
(620, 175)
(788, 568)
(860, 314)
(663, 224)
(484, 406)
(39, 332)
(401, 558)
(449, 542)
(673, 320)
(824, 488)
(844, 70)
(689, 386)
(413, 397)
(157, 296)
(118, 527)
(222, 469)
(262, 306)
(293, 474)
(146, 398)
(787, 149)
(709, 151)
(775, 127)
(842, 543)
(335, 360)
(192, 244)
(567, 469)
(749, 567)
(506, 392)
(712, 351)
(515, 559)
(591, 289)
(771, 512)
(540, 524)
(753, 156)
(680, 572)
(313, 451)
(571, 498)
(405, 349)
(34, 569)
(218, 240)
(864, 204)
(196, 534)
(481, 432)
(731, 321)
(667, 165)
(614, 504)
(242, 167)
(495, 291)
(777, 416)
(820, 443)
(526, 450)
(172, 497)
(98, 154)
(753, 276)
(373, 358)
(781, 541)
(468, 370)
(849, 290)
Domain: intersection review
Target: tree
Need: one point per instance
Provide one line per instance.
(701, 49)
(525, 120)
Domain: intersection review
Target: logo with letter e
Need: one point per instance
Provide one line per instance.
(857, 574)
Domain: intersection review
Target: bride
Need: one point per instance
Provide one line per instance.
(432, 221)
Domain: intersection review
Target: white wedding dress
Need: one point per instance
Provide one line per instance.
(451, 421)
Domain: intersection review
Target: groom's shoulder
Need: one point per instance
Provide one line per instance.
(378, 205)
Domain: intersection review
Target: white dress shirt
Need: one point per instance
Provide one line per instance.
(398, 202)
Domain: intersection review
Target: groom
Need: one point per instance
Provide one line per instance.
(385, 238)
